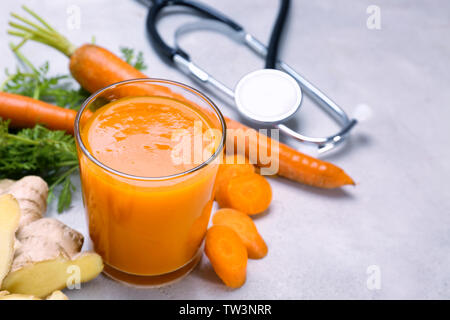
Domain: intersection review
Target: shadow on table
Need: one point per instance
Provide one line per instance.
(355, 143)
(205, 271)
(342, 192)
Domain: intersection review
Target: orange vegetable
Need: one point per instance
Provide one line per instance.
(95, 68)
(244, 226)
(293, 164)
(233, 165)
(249, 193)
(227, 254)
(27, 112)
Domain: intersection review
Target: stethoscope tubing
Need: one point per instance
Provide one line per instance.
(222, 23)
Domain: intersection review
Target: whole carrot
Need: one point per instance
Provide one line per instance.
(27, 112)
(292, 164)
(95, 68)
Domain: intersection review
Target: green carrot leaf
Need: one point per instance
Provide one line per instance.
(131, 58)
(50, 154)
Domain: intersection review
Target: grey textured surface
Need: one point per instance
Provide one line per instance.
(320, 242)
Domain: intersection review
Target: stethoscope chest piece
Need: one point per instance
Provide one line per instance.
(268, 96)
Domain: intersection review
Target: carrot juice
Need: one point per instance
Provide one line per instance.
(148, 198)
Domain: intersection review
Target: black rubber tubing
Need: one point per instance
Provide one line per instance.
(274, 42)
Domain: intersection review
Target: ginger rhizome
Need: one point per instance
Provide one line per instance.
(56, 295)
(47, 253)
(9, 222)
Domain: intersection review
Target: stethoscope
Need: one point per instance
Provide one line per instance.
(268, 96)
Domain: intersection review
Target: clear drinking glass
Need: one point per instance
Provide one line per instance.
(148, 230)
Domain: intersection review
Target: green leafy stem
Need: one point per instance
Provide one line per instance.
(39, 31)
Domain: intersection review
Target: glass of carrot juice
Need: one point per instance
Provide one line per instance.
(149, 152)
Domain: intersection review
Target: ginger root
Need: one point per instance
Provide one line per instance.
(47, 252)
(56, 295)
(31, 193)
(15, 296)
(54, 231)
(42, 277)
(9, 222)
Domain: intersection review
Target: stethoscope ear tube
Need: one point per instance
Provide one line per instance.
(277, 31)
(158, 43)
(160, 46)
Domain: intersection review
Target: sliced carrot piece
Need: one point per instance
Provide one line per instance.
(244, 226)
(227, 254)
(233, 165)
(249, 193)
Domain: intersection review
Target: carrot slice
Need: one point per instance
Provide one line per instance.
(227, 254)
(248, 193)
(244, 226)
(232, 166)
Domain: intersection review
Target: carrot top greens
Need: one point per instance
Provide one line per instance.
(38, 30)
(136, 60)
(40, 151)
